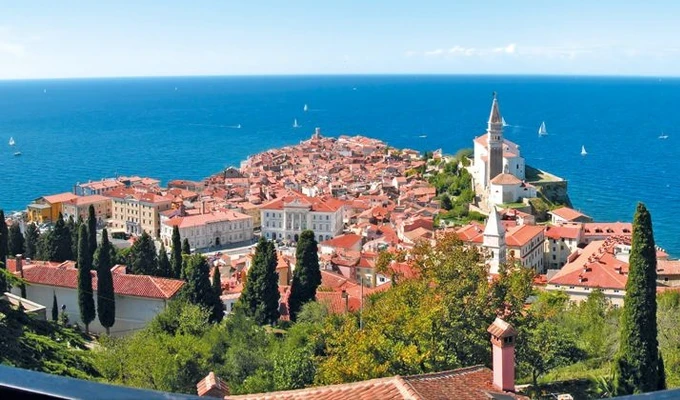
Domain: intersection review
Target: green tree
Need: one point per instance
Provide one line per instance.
(186, 248)
(57, 245)
(85, 295)
(73, 228)
(143, 256)
(198, 289)
(55, 307)
(446, 202)
(91, 230)
(176, 255)
(217, 309)
(106, 300)
(31, 241)
(637, 362)
(16, 240)
(164, 267)
(307, 275)
(4, 248)
(260, 297)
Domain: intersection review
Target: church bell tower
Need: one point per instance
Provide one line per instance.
(494, 134)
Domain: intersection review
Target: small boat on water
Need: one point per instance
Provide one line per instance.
(295, 123)
(238, 126)
(11, 141)
(542, 131)
(422, 136)
(305, 108)
(663, 136)
(16, 154)
(504, 123)
(583, 151)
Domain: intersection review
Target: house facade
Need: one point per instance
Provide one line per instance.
(79, 208)
(136, 212)
(214, 228)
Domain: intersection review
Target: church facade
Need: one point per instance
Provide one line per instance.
(498, 168)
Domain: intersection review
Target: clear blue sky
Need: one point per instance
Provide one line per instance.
(55, 39)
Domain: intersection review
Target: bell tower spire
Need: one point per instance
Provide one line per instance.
(494, 134)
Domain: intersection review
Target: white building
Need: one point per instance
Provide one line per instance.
(494, 241)
(208, 229)
(139, 298)
(286, 217)
(494, 156)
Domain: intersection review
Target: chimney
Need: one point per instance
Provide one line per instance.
(212, 386)
(503, 337)
(202, 206)
(19, 265)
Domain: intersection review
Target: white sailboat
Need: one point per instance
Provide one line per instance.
(504, 123)
(295, 123)
(583, 151)
(238, 126)
(542, 131)
(305, 108)
(663, 136)
(18, 153)
(11, 141)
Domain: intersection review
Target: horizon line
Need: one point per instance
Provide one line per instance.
(311, 75)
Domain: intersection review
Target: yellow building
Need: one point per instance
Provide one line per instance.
(47, 208)
(137, 212)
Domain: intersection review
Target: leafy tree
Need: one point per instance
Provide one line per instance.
(198, 289)
(260, 297)
(55, 307)
(176, 255)
(637, 362)
(307, 275)
(85, 295)
(186, 249)
(217, 309)
(164, 266)
(16, 240)
(446, 202)
(143, 256)
(4, 248)
(31, 241)
(106, 300)
(544, 345)
(92, 230)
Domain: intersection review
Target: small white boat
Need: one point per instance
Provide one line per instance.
(504, 123)
(238, 126)
(663, 136)
(583, 151)
(11, 141)
(305, 108)
(18, 153)
(295, 123)
(542, 131)
(422, 136)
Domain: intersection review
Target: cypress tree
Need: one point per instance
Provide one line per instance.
(217, 312)
(106, 300)
(85, 295)
(74, 229)
(307, 275)
(198, 289)
(31, 241)
(143, 256)
(4, 248)
(176, 256)
(60, 242)
(260, 296)
(637, 362)
(164, 266)
(16, 240)
(55, 307)
(186, 249)
(92, 230)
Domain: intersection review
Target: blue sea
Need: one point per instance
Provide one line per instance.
(71, 131)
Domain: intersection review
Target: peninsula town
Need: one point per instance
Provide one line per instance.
(374, 217)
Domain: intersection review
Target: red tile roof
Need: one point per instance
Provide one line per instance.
(563, 231)
(603, 229)
(506, 179)
(83, 200)
(318, 204)
(464, 383)
(60, 198)
(595, 266)
(523, 234)
(567, 213)
(123, 284)
(347, 241)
